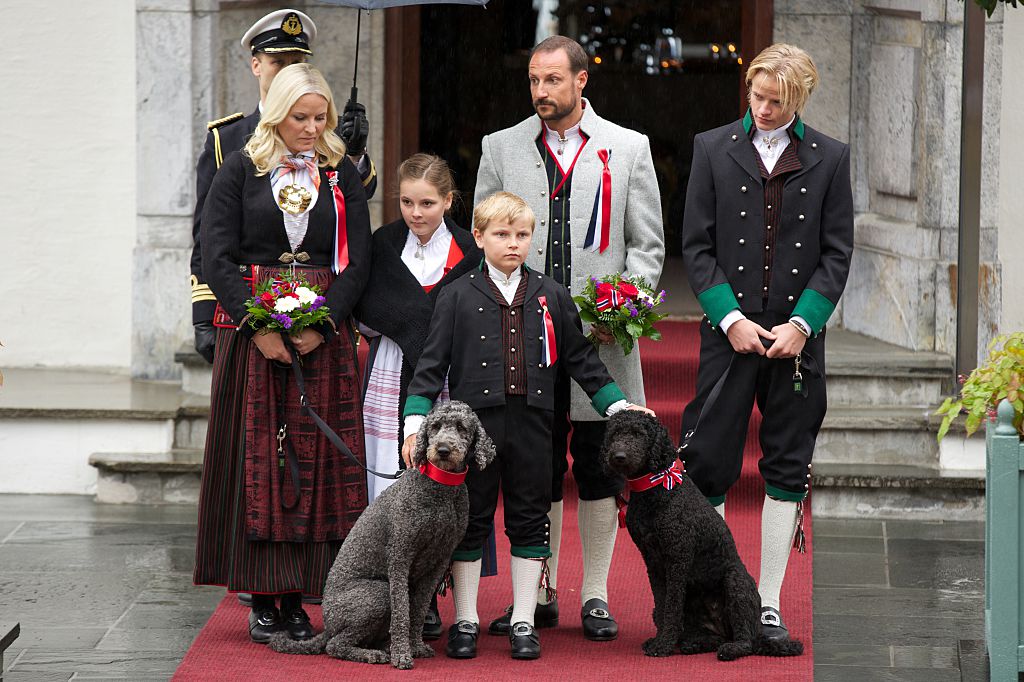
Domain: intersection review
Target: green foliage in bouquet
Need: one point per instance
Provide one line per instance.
(625, 306)
(1000, 376)
(286, 304)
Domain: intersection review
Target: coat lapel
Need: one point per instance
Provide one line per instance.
(810, 156)
(742, 152)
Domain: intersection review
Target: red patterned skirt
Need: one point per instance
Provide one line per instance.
(247, 540)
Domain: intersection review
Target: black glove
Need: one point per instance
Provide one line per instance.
(355, 129)
(206, 339)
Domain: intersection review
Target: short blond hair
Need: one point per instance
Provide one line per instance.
(502, 207)
(790, 67)
(266, 147)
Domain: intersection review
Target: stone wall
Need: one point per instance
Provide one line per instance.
(190, 69)
(896, 97)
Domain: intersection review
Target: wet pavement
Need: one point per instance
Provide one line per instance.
(105, 592)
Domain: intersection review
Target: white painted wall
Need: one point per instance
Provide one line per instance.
(1011, 173)
(67, 183)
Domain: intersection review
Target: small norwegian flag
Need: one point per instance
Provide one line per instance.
(601, 216)
(667, 478)
(608, 298)
(549, 352)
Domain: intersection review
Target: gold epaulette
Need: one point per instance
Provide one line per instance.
(224, 121)
(200, 292)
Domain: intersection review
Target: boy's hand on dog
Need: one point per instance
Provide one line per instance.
(788, 341)
(408, 447)
(745, 336)
(641, 408)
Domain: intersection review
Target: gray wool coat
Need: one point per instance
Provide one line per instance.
(511, 162)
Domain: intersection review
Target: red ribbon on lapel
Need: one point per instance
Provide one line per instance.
(606, 199)
(667, 479)
(549, 351)
(339, 260)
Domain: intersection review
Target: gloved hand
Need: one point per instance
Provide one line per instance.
(355, 129)
(206, 339)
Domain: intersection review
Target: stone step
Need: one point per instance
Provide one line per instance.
(897, 491)
(876, 436)
(148, 477)
(196, 372)
(8, 633)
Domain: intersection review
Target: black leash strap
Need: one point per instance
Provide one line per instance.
(708, 405)
(322, 425)
(285, 449)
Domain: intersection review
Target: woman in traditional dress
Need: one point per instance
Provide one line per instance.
(276, 498)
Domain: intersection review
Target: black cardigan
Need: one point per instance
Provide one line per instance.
(394, 302)
(243, 225)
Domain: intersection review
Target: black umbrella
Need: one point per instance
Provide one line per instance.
(384, 4)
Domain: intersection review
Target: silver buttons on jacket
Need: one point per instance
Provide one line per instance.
(789, 298)
(483, 364)
(543, 221)
(795, 271)
(540, 252)
(743, 188)
(742, 242)
(743, 214)
(739, 295)
(538, 164)
(803, 190)
(740, 268)
(483, 338)
(486, 391)
(798, 245)
(800, 217)
(814, 145)
(733, 138)
(513, 314)
(479, 310)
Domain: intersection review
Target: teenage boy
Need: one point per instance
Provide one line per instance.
(767, 240)
(500, 335)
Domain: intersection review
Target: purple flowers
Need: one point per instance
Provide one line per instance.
(283, 320)
(317, 302)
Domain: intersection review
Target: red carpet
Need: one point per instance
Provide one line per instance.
(223, 651)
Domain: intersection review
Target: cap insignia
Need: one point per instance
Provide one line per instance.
(291, 24)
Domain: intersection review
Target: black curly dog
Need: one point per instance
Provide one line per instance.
(379, 588)
(704, 598)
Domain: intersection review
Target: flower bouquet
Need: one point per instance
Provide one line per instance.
(625, 306)
(287, 304)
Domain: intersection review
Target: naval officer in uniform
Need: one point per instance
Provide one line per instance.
(277, 40)
(767, 242)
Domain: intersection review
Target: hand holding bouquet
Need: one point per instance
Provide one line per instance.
(286, 304)
(625, 306)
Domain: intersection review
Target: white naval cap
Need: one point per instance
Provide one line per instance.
(286, 30)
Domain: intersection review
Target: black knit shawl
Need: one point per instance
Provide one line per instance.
(394, 303)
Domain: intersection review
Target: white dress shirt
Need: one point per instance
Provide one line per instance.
(427, 261)
(571, 146)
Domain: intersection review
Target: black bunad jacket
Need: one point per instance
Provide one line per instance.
(226, 135)
(724, 235)
(465, 344)
(242, 226)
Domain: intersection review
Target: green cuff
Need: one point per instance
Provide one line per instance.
(717, 500)
(814, 308)
(784, 495)
(417, 404)
(717, 302)
(467, 554)
(609, 394)
(530, 552)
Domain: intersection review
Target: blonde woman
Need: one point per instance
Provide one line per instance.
(291, 199)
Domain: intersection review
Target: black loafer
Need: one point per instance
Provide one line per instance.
(432, 624)
(264, 624)
(598, 624)
(245, 598)
(298, 626)
(544, 616)
(772, 627)
(525, 642)
(462, 640)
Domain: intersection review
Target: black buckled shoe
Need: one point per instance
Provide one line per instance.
(772, 627)
(544, 616)
(598, 624)
(462, 640)
(245, 599)
(432, 624)
(263, 624)
(298, 625)
(525, 642)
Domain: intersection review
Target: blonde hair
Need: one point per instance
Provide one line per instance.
(266, 147)
(502, 207)
(790, 67)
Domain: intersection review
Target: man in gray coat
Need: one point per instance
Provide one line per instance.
(565, 162)
(767, 241)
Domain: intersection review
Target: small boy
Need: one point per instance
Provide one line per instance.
(498, 333)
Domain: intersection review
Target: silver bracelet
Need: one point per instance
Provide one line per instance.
(799, 326)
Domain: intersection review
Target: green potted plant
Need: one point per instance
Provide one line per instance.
(1000, 376)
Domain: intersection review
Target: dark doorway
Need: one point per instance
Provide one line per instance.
(668, 69)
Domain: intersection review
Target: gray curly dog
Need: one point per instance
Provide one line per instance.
(379, 588)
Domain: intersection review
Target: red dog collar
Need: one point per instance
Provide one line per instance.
(667, 479)
(441, 476)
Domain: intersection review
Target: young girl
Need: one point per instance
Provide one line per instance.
(413, 259)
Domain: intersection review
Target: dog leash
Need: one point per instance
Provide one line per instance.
(335, 439)
(708, 405)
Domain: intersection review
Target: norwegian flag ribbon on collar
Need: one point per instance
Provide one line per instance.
(601, 216)
(339, 259)
(667, 479)
(549, 352)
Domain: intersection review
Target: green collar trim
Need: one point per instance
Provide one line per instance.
(798, 125)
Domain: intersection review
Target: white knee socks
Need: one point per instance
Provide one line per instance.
(555, 540)
(778, 523)
(598, 522)
(466, 580)
(525, 579)
(720, 508)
